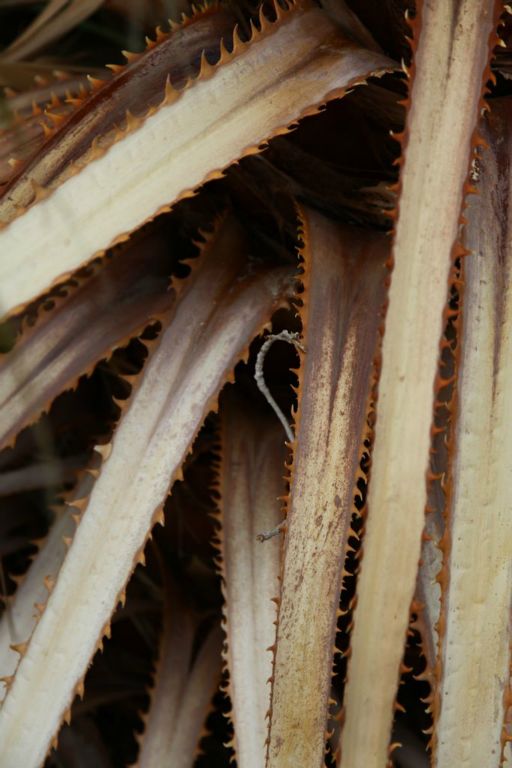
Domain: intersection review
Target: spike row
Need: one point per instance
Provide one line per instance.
(212, 407)
(456, 279)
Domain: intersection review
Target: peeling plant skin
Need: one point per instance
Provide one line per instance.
(249, 96)
(344, 289)
(453, 45)
(250, 483)
(219, 310)
(477, 572)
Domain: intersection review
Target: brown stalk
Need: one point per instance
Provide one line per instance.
(344, 289)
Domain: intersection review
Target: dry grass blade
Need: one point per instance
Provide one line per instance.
(79, 328)
(344, 289)
(477, 575)
(250, 482)
(184, 687)
(219, 310)
(451, 66)
(252, 94)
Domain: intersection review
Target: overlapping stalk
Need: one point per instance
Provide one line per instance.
(453, 44)
(185, 684)
(474, 668)
(219, 310)
(252, 94)
(83, 323)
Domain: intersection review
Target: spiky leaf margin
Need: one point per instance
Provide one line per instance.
(219, 310)
(475, 621)
(344, 289)
(87, 322)
(451, 67)
(184, 686)
(252, 94)
(250, 482)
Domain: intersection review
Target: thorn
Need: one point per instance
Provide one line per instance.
(104, 450)
(160, 34)
(159, 517)
(95, 82)
(206, 69)
(170, 93)
(75, 101)
(132, 122)
(20, 648)
(130, 56)
(46, 130)
(115, 68)
(7, 680)
(56, 119)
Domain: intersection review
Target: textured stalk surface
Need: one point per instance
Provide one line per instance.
(475, 646)
(219, 310)
(253, 93)
(250, 483)
(344, 289)
(450, 70)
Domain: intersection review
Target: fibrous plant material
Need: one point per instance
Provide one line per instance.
(252, 94)
(250, 482)
(453, 44)
(83, 322)
(344, 289)
(185, 685)
(220, 308)
(476, 578)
